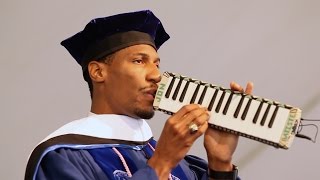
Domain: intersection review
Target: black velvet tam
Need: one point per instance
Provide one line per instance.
(103, 36)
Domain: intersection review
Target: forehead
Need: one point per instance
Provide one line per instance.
(138, 50)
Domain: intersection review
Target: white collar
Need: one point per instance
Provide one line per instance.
(109, 126)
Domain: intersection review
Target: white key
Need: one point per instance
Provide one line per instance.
(216, 100)
(208, 96)
(191, 88)
(176, 81)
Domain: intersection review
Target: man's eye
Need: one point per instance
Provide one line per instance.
(138, 61)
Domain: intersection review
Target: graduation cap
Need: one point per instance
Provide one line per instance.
(104, 36)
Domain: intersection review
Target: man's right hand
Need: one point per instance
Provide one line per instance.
(176, 139)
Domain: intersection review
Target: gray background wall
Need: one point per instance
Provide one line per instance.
(273, 43)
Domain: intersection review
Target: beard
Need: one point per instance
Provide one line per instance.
(144, 114)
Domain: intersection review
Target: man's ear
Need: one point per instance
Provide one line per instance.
(97, 71)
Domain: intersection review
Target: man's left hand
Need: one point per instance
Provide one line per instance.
(220, 145)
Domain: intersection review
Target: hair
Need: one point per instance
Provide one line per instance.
(106, 59)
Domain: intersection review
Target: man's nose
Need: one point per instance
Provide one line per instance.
(154, 74)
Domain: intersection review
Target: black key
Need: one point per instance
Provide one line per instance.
(195, 94)
(213, 99)
(220, 102)
(235, 115)
(203, 94)
(226, 107)
(176, 91)
(170, 88)
(183, 94)
(273, 117)
(265, 115)
(255, 118)
(246, 109)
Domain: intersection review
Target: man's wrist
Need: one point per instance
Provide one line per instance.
(160, 169)
(225, 175)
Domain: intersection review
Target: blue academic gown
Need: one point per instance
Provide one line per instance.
(89, 148)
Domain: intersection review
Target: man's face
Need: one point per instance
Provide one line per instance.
(131, 81)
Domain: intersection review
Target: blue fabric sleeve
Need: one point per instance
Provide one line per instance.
(145, 173)
(199, 167)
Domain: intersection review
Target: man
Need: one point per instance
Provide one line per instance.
(119, 58)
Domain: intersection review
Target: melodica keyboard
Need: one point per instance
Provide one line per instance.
(257, 118)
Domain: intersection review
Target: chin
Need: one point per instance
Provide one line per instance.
(145, 114)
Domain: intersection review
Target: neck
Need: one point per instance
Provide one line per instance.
(98, 106)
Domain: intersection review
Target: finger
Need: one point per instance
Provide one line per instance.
(202, 129)
(236, 87)
(198, 116)
(249, 88)
(201, 120)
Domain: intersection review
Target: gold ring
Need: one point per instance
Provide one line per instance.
(193, 128)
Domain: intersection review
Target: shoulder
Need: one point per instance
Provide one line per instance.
(71, 127)
(71, 163)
